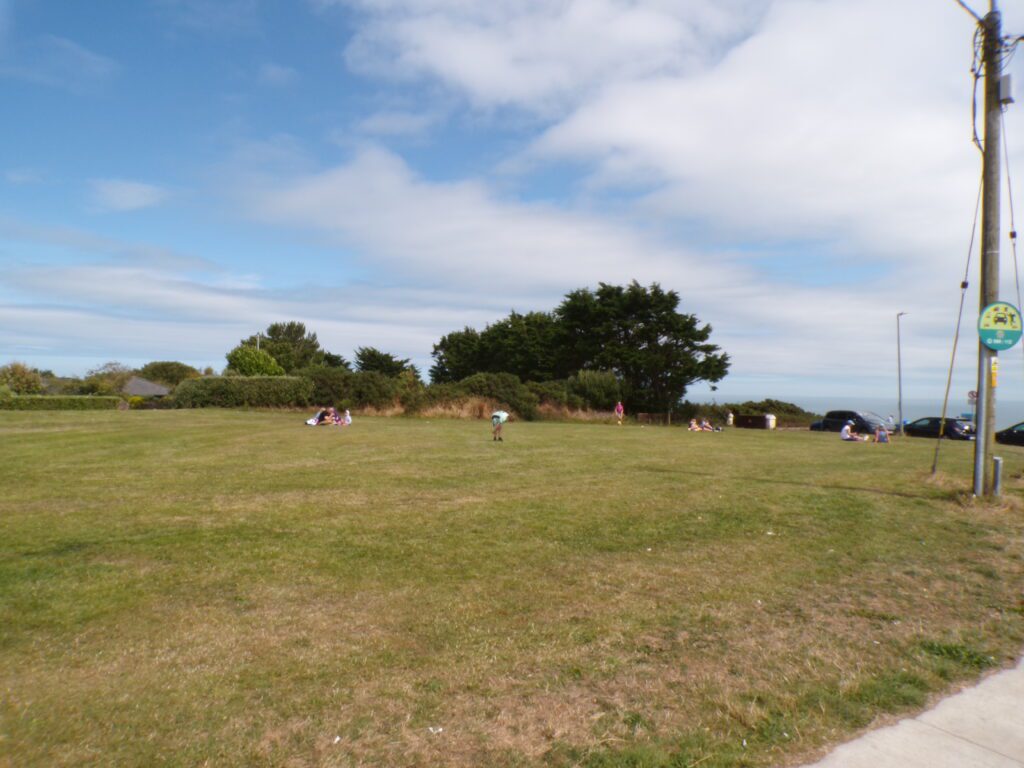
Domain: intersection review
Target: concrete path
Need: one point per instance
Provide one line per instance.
(981, 727)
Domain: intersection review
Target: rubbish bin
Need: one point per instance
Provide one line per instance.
(769, 421)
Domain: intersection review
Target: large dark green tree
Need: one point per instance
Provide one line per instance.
(293, 347)
(456, 356)
(634, 332)
(372, 360)
(525, 345)
(638, 333)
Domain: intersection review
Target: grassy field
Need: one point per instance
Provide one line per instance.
(229, 588)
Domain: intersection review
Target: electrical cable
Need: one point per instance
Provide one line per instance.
(959, 320)
(967, 8)
(1013, 223)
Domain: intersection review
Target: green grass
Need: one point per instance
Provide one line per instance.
(225, 588)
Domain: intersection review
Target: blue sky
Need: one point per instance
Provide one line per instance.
(177, 174)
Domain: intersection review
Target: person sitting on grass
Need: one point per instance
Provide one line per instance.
(693, 426)
(847, 433)
(346, 420)
(881, 434)
(705, 426)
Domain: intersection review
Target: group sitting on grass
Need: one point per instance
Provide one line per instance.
(848, 435)
(329, 417)
(704, 426)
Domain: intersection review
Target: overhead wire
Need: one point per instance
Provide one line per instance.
(967, 8)
(959, 321)
(1013, 223)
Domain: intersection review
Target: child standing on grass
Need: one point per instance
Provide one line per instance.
(619, 412)
(497, 419)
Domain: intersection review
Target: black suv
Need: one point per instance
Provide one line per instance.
(863, 421)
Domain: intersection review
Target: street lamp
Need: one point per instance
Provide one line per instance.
(899, 368)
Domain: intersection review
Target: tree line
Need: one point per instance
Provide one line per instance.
(616, 342)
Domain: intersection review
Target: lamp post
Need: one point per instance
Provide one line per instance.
(899, 368)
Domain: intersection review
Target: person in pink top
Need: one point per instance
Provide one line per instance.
(619, 412)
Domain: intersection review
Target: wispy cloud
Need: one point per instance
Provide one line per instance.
(22, 176)
(397, 123)
(59, 63)
(123, 195)
(277, 75)
(211, 16)
(541, 56)
(78, 242)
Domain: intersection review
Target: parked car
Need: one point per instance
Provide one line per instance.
(1011, 435)
(956, 429)
(863, 421)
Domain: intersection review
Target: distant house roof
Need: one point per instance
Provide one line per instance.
(139, 387)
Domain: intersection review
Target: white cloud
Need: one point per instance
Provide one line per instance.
(540, 55)
(123, 195)
(277, 75)
(463, 238)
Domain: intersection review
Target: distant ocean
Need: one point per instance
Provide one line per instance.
(1008, 412)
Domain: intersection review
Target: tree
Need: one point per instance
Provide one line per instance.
(168, 372)
(336, 361)
(371, 360)
(456, 356)
(638, 333)
(21, 379)
(249, 361)
(108, 379)
(524, 345)
(289, 344)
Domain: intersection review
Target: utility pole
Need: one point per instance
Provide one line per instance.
(899, 369)
(991, 48)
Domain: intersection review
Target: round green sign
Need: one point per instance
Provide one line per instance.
(1000, 326)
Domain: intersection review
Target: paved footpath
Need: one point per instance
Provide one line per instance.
(981, 727)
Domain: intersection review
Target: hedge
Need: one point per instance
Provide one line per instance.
(238, 391)
(506, 388)
(59, 403)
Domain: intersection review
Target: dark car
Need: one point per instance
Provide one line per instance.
(1011, 435)
(863, 421)
(955, 429)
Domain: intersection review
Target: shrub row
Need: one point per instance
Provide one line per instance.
(236, 391)
(59, 403)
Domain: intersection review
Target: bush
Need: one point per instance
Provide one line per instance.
(168, 372)
(506, 388)
(331, 386)
(371, 389)
(238, 391)
(556, 393)
(60, 403)
(108, 379)
(21, 379)
(412, 394)
(249, 361)
(598, 389)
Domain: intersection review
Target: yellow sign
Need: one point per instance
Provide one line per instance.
(995, 372)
